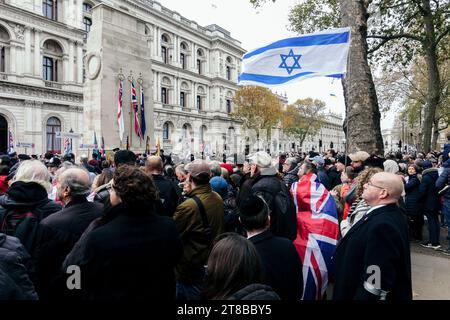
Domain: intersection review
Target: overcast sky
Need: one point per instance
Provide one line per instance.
(258, 27)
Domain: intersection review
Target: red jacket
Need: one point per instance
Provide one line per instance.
(3, 184)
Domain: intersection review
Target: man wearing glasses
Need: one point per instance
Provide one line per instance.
(372, 261)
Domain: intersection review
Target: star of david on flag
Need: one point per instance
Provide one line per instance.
(284, 63)
(294, 59)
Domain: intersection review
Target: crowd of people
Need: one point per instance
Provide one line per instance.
(142, 227)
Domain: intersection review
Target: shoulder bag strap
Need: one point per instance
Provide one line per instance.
(202, 210)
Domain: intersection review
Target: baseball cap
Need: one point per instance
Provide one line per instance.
(198, 169)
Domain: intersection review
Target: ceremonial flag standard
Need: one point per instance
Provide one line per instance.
(317, 233)
(95, 152)
(120, 111)
(134, 103)
(102, 149)
(294, 59)
(143, 126)
(67, 146)
(158, 148)
(10, 142)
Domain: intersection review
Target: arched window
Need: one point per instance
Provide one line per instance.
(164, 96)
(200, 55)
(4, 45)
(228, 73)
(228, 102)
(165, 39)
(164, 54)
(165, 85)
(166, 131)
(186, 131)
(50, 9)
(182, 99)
(183, 60)
(228, 66)
(199, 102)
(53, 143)
(52, 61)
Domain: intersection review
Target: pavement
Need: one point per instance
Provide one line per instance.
(430, 271)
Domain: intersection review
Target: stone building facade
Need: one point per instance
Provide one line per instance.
(60, 64)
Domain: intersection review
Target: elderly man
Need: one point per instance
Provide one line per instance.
(199, 220)
(372, 261)
(290, 170)
(60, 231)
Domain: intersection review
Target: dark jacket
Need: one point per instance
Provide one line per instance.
(291, 176)
(131, 257)
(323, 178)
(412, 196)
(334, 177)
(446, 152)
(168, 194)
(58, 233)
(442, 181)
(245, 188)
(255, 292)
(15, 269)
(102, 194)
(196, 241)
(379, 239)
(281, 224)
(22, 208)
(428, 193)
(282, 266)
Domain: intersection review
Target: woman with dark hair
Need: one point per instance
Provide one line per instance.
(133, 254)
(412, 205)
(234, 271)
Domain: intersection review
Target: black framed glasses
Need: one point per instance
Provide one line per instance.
(373, 185)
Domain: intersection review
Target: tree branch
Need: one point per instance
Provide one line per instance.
(386, 39)
(443, 34)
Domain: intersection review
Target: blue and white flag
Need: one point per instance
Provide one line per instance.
(294, 59)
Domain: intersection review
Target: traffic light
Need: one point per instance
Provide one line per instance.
(320, 143)
(400, 144)
(331, 145)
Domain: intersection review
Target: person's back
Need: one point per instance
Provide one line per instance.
(15, 270)
(26, 203)
(133, 256)
(199, 220)
(281, 264)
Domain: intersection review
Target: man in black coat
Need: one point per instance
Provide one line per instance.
(60, 231)
(372, 261)
(168, 194)
(282, 266)
(265, 182)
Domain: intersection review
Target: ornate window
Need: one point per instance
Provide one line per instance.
(166, 131)
(87, 7)
(4, 45)
(52, 61)
(228, 101)
(199, 103)
(164, 54)
(50, 9)
(53, 143)
(182, 99)
(164, 96)
(183, 60)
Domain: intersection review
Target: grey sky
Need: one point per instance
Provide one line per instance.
(258, 27)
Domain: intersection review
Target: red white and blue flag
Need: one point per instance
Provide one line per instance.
(10, 142)
(134, 103)
(67, 146)
(317, 233)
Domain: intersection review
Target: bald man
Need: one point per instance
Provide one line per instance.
(59, 232)
(372, 261)
(168, 192)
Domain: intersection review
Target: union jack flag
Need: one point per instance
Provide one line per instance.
(67, 146)
(317, 233)
(134, 103)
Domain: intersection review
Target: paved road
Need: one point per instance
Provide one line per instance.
(430, 272)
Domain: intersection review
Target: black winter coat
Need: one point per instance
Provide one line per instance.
(22, 208)
(15, 270)
(282, 266)
(428, 193)
(131, 257)
(379, 239)
(58, 233)
(334, 177)
(412, 205)
(168, 194)
(281, 225)
(291, 176)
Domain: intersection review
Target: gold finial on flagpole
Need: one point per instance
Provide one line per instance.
(120, 75)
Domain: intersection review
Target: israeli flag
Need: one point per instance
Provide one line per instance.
(294, 59)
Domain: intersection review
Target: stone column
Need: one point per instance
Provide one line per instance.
(12, 57)
(70, 71)
(156, 42)
(155, 86)
(194, 96)
(37, 53)
(175, 51)
(79, 13)
(66, 67)
(79, 46)
(28, 56)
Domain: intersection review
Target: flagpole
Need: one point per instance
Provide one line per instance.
(130, 80)
(121, 77)
(140, 81)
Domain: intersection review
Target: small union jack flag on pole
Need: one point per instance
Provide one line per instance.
(134, 103)
(317, 233)
(10, 142)
(120, 112)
